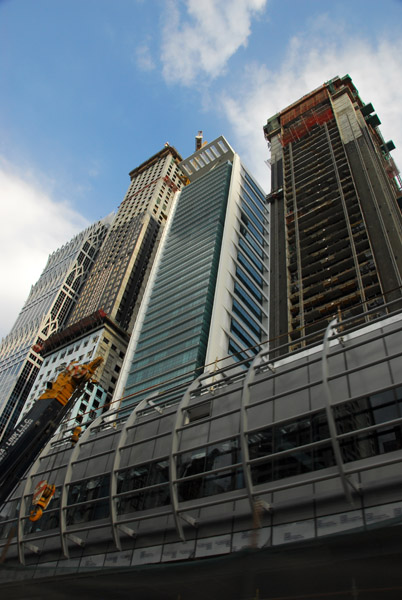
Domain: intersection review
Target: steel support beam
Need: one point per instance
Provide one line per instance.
(346, 483)
(176, 436)
(245, 403)
(113, 474)
(64, 535)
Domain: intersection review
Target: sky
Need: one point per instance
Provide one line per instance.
(89, 89)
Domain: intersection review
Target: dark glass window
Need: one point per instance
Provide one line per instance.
(251, 241)
(250, 269)
(254, 191)
(197, 464)
(290, 438)
(252, 201)
(350, 418)
(252, 217)
(49, 520)
(247, 250)
(251, 228)
(94, 493)
(139, 477)
(241, 334)
(238, 354)
(249, 302)
(251, 287)
(358, 414)
(247, 320)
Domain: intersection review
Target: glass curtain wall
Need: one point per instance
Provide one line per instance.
(249, 302)
(173, 340)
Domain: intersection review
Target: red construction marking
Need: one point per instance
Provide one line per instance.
(170, 183)
(303, 105)
(296, 132)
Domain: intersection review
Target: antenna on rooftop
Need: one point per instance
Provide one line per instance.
(198, 141)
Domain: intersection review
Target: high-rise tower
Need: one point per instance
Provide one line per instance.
(209, 293)
(115, 281)
(107, 306)
(336, 228)
(44, 313)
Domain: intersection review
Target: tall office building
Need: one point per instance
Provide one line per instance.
(336, 228)
(209, 289)
(44, 313)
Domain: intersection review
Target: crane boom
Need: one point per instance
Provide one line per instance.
(20, 449)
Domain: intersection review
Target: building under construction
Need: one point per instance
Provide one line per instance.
(335, 221)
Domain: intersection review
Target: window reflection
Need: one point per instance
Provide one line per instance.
(283, 438)
(366, 412)
(49, 520)
(297, 446)
(94, 492)
(88, 512)
(10, 510)
(139, 477)
(204, 460)
(350, 417)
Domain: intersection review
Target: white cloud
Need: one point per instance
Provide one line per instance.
(32, 226)
(143, 58)
(311, 59)
(203, 43)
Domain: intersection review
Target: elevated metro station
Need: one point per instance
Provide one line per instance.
(276, 479)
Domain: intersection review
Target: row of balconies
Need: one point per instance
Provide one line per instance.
(312, 143)
(321, 232)
(326, 183)
(324, 263)
(328, 305)
(306, 157)
(310, 196)
(315, 284)
(300, 153)
(320, 211)
(310, 203)
(323, 285)
(313, 305)
(329, 243)
(329, 239)
(306, 169)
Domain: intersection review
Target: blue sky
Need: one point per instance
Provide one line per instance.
(91, 88)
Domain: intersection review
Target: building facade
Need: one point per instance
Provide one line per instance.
(108, 303)
(46, 310)
(116, 280)
(208, 299)
(91, 337)
(222, 457)
(336, 227)
(251, 464)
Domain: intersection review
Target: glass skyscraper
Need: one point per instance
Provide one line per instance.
(207, 299)
(48, 305)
